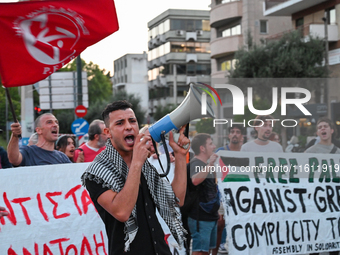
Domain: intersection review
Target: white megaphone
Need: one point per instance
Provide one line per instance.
(188, 110)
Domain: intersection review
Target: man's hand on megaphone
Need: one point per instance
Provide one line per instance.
(142, 148)
(182, 141)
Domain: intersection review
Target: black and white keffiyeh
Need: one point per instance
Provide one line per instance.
(109, 169)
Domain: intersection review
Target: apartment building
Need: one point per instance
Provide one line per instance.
(231, 23)
(130, 74)
(179, 52)
(317, 18)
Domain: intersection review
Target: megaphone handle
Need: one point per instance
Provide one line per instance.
(159, 161)
(167, 155)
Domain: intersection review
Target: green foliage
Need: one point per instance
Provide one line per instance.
(65, 118)
(99, 85)
(302, 140)
(3, 142)
(134, 100)
(14, 93)
(258, 104)
(99, 92)
(161, 111)
(291, 56)
(205, 126)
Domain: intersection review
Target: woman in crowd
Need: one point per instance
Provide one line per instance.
(67, 145)
(274, 137)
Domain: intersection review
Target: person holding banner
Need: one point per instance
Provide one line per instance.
(2, 212)
(203, 216)
(43, 153)
(126, 189)
(235, 137)
(325, 131)
(263, 126)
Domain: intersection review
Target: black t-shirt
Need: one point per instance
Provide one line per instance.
(150, 236)
(207, 190)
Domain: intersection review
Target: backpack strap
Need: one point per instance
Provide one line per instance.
(226, 147)
(333, 149)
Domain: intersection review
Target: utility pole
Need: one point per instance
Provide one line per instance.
(325, 20)
(79, 82)
(175, 84)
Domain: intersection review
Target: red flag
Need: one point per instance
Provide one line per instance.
(39, 37)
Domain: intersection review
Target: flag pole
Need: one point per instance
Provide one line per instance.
(11, 106)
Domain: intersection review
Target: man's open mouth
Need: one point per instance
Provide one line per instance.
(129, 139)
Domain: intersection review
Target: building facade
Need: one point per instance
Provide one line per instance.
(317, 18)
(232, 21)
(179, 53)
(130, 74)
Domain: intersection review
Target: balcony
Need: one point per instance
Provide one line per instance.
(287, 7)
(225, 13)
(179, 57)
(318, 30)
(312, 29)
(225, 45)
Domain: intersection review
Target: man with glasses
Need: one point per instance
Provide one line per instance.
(96, 143)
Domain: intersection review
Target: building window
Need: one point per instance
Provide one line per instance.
(190, 47)
(126, 78)
(225, 1)
(299, 23)
(125, 62)
(202, 69)
(331, 16)
(181, 69)
(235, 30)
(198, 69)
(206, 25)
(225, 64)
(263, 26)
(189, 24)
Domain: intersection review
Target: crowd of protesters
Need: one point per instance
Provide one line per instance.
(118, 140)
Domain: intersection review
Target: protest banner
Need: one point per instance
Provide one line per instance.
(280, 203)
(51, 213)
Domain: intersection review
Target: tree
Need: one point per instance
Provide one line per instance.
(99, 92)
(161, 111)
(205, 126)
(289, 57)
(14, 92)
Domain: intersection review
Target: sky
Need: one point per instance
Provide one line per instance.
(132, 35)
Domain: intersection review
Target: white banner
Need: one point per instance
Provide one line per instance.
(280, 203)
(51, 213)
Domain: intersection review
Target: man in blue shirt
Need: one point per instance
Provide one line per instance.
(235, 137)
(43, 153)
